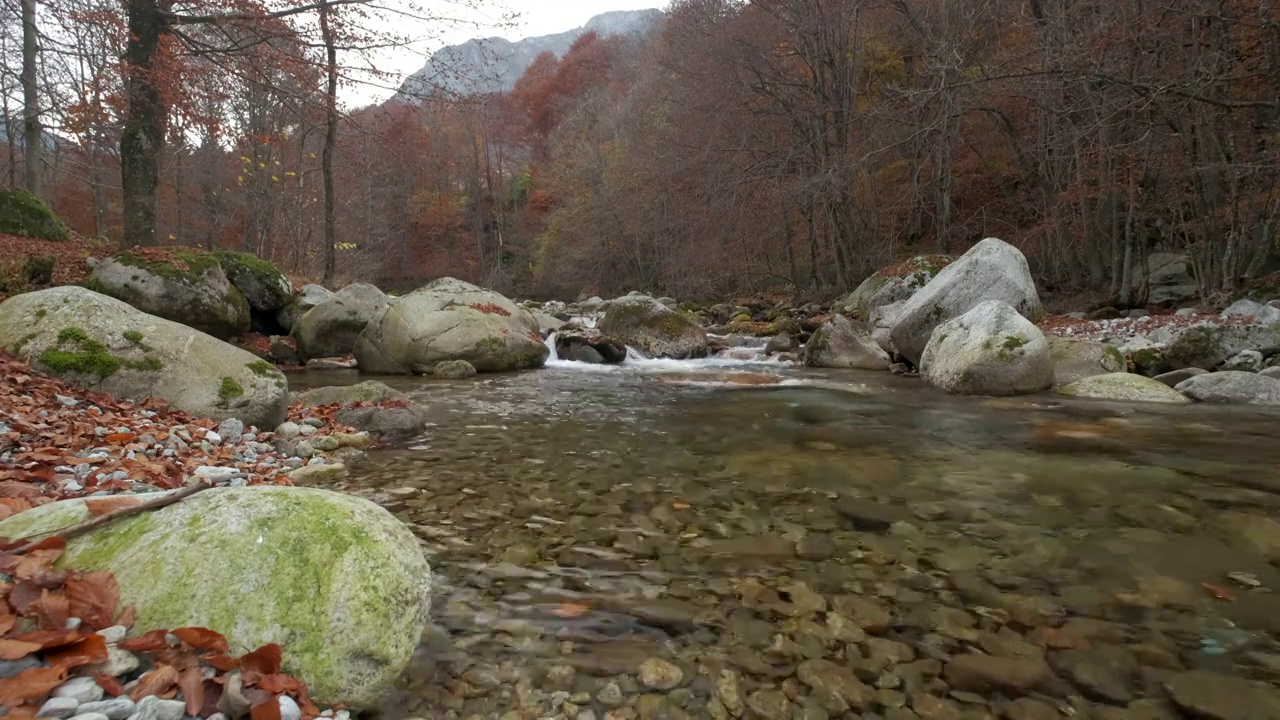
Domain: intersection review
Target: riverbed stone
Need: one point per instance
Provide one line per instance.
(839, 343)
(454, 370)
(1207, 345)
(985, 673)
(446, 320)
(370, 391)
(659, 674)
(835, 680)
(333, 577)
(1174, 377)
(102, 344)
(1210, 696)
(191, 289)
(992, 270)
(990, 350)
(1232, 387)
(330, 328)
(1078, 359)
(652, 328)
(1126, 387)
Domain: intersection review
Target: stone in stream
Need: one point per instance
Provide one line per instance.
(331, 327)
(658, 674)
(985, 673)
(1210, 696)
(370, 391)
(309, 297)
(835, 681)
(1079, 359)
(99, 343)
(454, 370)
(652, 328)
(991, 270)
(1232, 387)
(1244, 361)
(1104, 673)
(334, 577)
(1126, 387)
(1173, 378)
(1207, 345)
(990, 350)
(841, 344)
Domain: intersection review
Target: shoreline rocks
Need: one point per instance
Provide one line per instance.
(330, 329)
(839, 343)
(990, 350)
(643, 323)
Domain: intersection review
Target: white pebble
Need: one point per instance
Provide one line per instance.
(289, 709)
(114, 634)
(213, 438)
(58, 707)
(81, 689)
(170, 710)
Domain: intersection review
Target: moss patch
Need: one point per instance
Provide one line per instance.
(77, 353)
(229, 390)
(263, 369)
(133, 336)
(185, 264)
(22, 213)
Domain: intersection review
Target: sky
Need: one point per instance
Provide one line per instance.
(532, 18)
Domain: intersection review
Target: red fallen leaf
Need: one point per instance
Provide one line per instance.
(7, 622)
(149, 642)
(263, 661)
(26, 711)
(15, 489)
(212, 694)
(89, 650)
(279, 683)
(93, 598)
(128, 616)
(157, 682)
(192, 684)
(49, 639)
(101, 506)
(181, 657)
(109, 684)
(30, 684)
(121, 437)
(570, 610)
(203, 639)
(222, 663)
(1219, 593)
(51, 610)
(268, 710)
(38, 560)
(16, 649)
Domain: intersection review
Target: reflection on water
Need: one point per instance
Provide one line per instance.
(797, 544)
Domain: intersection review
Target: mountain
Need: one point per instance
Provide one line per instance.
(495, 64)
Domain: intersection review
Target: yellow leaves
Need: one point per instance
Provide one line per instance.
(290, 173)
(345, 246)
(275, 179)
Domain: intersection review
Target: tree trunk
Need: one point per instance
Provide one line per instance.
(330, 136)
(31, 135)
(142, 138)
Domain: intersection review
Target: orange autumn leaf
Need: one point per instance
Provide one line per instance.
(51, 611)
(48, 639)
(192, 684)
(120, 437)
(90, 650)
(269, 710)
(680, 505)
(279, 684)
(93, 598)
(103, 505)
(16, 649)
(570, 610)
(263, 661)
(1218, 592)
(151, 642)
(203, 639)
(109, 684)
(128, 616)
(157, 682)
(223, 663)
(30, 685)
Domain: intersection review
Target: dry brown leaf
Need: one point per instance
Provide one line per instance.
(120, 437)
(91, 649)
(93, 598)
(192, 684)
(223, 663)
(570, 610)
(263, 661)
(16, 649)
(109, 684)
(128, 616)
(157, 682)
(103, 505)
(51, 611)
(268, 710)
(279, 683)
(30, 684)
(149, 642)
(203, 639)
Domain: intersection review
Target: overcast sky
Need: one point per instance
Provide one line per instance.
(534, 17)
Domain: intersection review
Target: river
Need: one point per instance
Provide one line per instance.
(678, 539)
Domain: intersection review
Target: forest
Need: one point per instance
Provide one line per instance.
(744, 147)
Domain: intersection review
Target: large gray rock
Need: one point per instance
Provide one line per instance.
(652, 328)
(1170, 280)
(451, 320)
(1078, 359)
(1208, 345)
(266, 288)
(841, 344)
(103, 344)
(1126, 387)
(335, 579)
(992, 270)
(892, 285)
(1232, 387)
(330, 329)
(191, 289)
(1264, 314)
(990, 350)
(309, 297)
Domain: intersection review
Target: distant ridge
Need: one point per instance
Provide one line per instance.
(495, 64)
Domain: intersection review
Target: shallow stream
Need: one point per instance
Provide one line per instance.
(679, 539)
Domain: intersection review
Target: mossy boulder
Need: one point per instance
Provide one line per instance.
(990, 350)
(309, 297)
(370, 391)
(841, 344)
(1078, 359)
(454, 370)
(22, 213)
(336, 580)
(1208, 345)
(191, 289)
(103, 344)
(652, 328)
(992, 270)
(263, 286)
(1232, 387)
(451, 320)
(330, 329)
(1122, 386)
(893, 284)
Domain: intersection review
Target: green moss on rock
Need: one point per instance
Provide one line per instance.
(196, 265)
(22, 213)
(229, 390)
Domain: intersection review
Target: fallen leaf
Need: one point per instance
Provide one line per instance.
(279, 683)
(103, 505)
(15, 489)
(109, 684)
(49, 639)
(203, 639)
(51, 611)
(120, 437)
(268, 710)
(150, 642)
(263, 661)
(16, 649)
(127, 616)
(91, 649)
(192, 684)
(30, 685)
(680, 505)
(93, 598)
(157, 682)
(223, 663)
(1220, 593)
(570, 610)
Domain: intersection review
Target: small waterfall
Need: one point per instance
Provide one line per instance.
(634, 354)
(551, 345)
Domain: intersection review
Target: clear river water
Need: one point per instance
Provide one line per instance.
(723, 539)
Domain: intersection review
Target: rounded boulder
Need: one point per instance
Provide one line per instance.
(990, 350)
